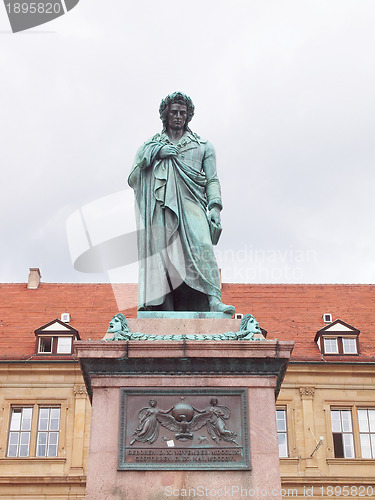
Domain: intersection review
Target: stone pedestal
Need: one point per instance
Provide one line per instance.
(243, 376)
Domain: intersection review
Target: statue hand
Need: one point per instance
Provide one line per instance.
(168, 150)
(214, 215)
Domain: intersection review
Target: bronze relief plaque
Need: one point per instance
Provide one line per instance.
(184, 429)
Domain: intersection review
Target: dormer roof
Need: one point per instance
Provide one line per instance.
(57, 327)
(337, 327)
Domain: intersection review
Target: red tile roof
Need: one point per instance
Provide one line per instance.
(287, 312)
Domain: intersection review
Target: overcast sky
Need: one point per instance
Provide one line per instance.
(283, 89)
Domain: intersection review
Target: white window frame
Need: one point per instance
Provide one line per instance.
(48, 432)
(42, 339)
(326, 351)
(19, 436)
(282, 432)
(15, 428)
(61, 349)
(354, 343)
(366, 425)
(344, 427)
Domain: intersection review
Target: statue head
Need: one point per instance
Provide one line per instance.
(176, 98)
(250, 324)
(118, 324)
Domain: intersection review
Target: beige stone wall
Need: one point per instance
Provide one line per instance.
(32, 384)
(309, 391)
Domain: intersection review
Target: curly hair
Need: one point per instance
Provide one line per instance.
(245, 320)
(124, 323)
(180, 98)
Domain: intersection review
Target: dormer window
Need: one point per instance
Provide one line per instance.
(338, 338)
(349, 345)
(55, 338)
(64, 345)
(45, 345)
(330, 345)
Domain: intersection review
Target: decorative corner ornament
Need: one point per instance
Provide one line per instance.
(79, 390)
(307, 392)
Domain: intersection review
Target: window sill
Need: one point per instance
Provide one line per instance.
(34, 459)
(349, 461)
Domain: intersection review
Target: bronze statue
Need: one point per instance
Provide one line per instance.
(178, 201)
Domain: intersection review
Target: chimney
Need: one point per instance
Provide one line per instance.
(34, 278)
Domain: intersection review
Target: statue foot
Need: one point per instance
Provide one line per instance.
(217, 306)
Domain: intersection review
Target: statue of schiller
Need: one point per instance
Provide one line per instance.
(178, 202)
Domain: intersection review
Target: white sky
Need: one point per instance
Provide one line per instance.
(283, 89)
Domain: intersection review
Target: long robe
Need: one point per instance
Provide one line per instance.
(172, 197)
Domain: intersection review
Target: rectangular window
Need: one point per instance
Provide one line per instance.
(366, 422)
(342, 430)
(48, 432)
(45, 345)
(282, 433)
(330, 346)
(64, 345)
(349, 345)
(19, 432)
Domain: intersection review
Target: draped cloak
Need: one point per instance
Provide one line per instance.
(172, 196)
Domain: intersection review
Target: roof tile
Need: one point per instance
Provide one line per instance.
(287, 312)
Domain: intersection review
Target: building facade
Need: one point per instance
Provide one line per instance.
(325, 409)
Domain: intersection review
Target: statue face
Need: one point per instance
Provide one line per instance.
(114, 325)
(177, 116)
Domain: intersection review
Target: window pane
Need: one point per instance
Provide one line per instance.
(338, 445)
(55, 419)
(365, 446)
(41, 450)
(282, 435)
(43, 422)
(52, 450)
(27, 414)
(346, 420)
(373, 445)
(64, 345)
(42, 437)
(52, 445)
(13, 437)
(348, 445)
(283, 449)
(42, 444)
(12, 450)
(53, 437)
(349, 346)
(24, 444)
(24, 451)
(281, 420)
(45, 344)
(330, 346)
(336, 421)
(371, 417)
(15, 422)
(363, 421)
(55, 413)
(13, 444)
